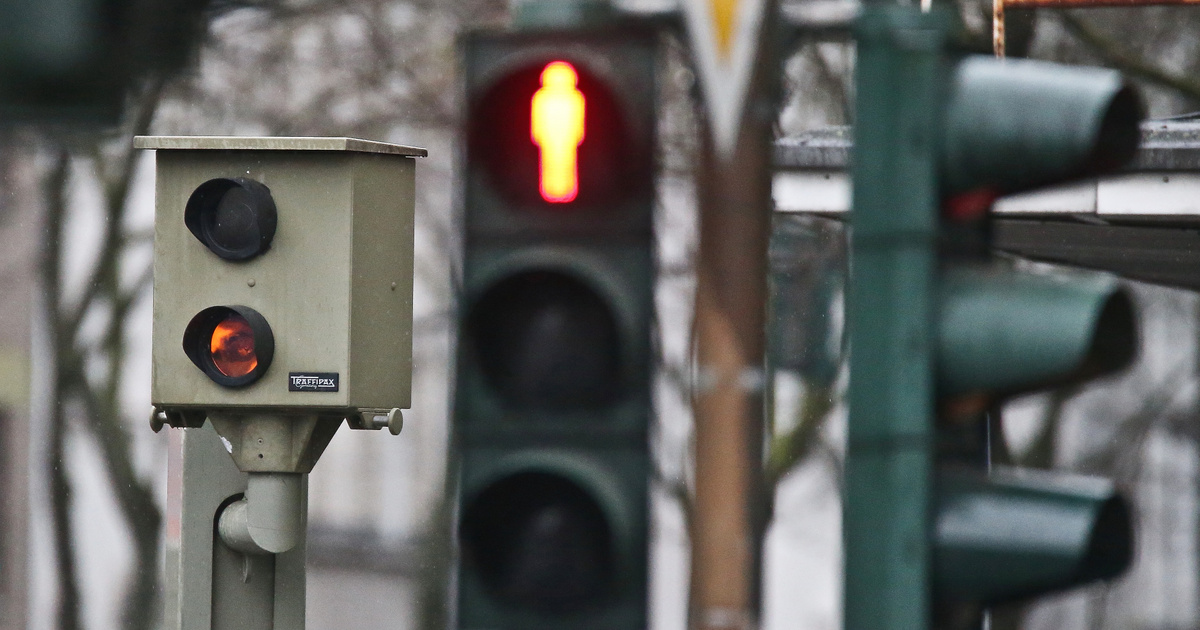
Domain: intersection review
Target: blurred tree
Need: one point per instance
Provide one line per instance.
(371, 68)
(89, 332)
(380, 69)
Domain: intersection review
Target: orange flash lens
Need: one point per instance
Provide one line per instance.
(232, 346)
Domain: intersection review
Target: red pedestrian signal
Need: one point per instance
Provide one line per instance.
(556, 133)
(557, 125)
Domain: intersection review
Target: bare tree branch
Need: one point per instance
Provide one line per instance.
(790, 448)
(50, 272)
(1121, 57)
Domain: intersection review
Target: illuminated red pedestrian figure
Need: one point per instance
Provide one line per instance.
(556, 127)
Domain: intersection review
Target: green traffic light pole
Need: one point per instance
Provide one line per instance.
(927, 129)
(889, 465)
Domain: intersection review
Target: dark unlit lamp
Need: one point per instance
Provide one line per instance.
(234, 218)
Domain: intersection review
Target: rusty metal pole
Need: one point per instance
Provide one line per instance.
(729, 513)
(999, 40)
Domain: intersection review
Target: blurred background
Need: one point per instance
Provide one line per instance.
(82, 477)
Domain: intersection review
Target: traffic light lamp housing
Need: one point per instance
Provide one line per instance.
(555, 338)
(553, 537)
(521, 124)
(546, 340)
(77, 60)
(1009, 127)
(282, 274)
(552, 397)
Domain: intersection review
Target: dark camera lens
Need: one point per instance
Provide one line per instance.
(234, 218)
(232, 225)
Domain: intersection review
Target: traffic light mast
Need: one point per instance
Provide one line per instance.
(940, 335)
(889, 464)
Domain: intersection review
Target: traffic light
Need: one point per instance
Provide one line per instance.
(941, 334)
(552, 402)
(77, 58)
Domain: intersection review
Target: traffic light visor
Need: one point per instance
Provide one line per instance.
(1020, 533)
(233, 218)
(232, 345)
(1013, 332)
(1012, 125)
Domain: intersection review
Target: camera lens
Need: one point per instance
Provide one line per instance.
(233, 218)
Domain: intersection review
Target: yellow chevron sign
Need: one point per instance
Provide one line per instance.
(724, 38)
(723, 20)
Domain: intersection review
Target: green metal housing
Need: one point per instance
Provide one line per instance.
(614, 476)
(890, 317)
(1019, 533)
(77, 60)
(1006, 332)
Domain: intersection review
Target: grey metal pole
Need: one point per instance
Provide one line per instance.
(211, 586)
